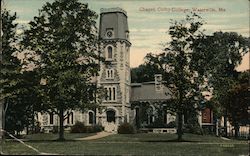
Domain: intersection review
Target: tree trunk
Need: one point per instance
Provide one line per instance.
(61, 129)
(180, 124)
(236, 129)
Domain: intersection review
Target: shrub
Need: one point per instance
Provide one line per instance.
(98, 128)
(171, 124)
(93, 129)
(193, 128)
(126, 128)
(55, 129)
(156, 124)
(78, 127)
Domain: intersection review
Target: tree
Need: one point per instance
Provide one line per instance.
(16, 85)
(238, 102)
(146, 71)
(64, 36)
(219, 54)
(186, 83)
(10, 65)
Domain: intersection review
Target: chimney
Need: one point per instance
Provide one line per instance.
(158, 82)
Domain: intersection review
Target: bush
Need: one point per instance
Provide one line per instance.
(156, 124)
(55, 129)
(78, 127)
(93, 129)
(126, 128)
(171, 124)
(193, 128)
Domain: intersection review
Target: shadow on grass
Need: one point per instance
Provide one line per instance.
(37, 141)
(170, 141)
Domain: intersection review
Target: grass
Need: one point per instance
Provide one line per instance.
(51, 136)
(132, 144)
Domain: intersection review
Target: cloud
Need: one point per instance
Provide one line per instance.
(19, 31)
(22, 21)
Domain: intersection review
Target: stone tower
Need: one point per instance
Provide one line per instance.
(114, 74)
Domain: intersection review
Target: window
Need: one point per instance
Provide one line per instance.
(111, 93)
(109, 74)
(114, 93)
(51, 118)
(91, 118)
(106, 97)
(109, 33)
(110, 52)
(68, 119)
(111, 116)
(72, 118)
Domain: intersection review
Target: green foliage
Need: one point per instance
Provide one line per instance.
(171, 124)
(93, 129)
(126, 128)
(64, 36)
(221, 53)
(78, 127)
(17, 85)
(186, 82)
(237, 102)
(10, 65)
(145, 72)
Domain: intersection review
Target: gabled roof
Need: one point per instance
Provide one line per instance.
(146, 92)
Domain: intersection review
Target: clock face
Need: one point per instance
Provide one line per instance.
(109, 34)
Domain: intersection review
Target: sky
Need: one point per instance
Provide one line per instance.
(149, 20)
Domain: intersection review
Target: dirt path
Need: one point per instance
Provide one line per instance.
(97, 136)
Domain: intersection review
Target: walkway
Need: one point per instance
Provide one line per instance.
(97, 136)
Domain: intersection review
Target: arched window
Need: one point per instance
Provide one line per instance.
(91, 118)
(110, 52)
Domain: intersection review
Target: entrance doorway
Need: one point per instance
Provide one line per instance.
(111, 116)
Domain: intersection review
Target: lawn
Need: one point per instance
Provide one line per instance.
(131, 144)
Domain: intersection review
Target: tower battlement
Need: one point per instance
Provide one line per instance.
(117, 9)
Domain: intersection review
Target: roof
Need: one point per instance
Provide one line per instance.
(117, 9)
(146, 92)
(114, 19)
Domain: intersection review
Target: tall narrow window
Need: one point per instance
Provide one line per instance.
(108, 74)
(110, 94)
(51, 118)
(111, 73)
(110, 51)
(72, 118)
(91, 118)
(114, 93)
(68, 119)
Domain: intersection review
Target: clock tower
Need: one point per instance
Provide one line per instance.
(114, 74)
